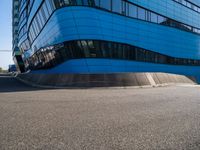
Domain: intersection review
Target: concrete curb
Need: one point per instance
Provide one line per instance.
(140, 80)
(64, 87)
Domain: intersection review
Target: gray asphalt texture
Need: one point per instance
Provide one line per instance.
(165, 118)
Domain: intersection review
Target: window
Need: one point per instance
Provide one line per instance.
(184, 2)
(48, 7)
(35, 27)
(85, 2)
(85, 48)
(117, 6)
(161, 20)
(38, 23)
(41, 18)
(154, 17)
(98, 49)
(105, 4)
(97, 3)
(195, 8)
(54, 55)
(189, 4)
(141, 13)
(132, 11)
(92, 49)
(44, 16)
(46, 12)
(91, 2)
(124, 7)
(198, 9)
(57, 3)
(79, 2)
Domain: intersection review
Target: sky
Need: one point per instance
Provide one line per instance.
(5, 33)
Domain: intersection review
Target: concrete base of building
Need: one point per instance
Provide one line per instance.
(4, 74)
(104, 80)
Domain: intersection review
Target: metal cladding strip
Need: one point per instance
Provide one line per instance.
(150, 78)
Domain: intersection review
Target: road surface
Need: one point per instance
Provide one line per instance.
(98, 119)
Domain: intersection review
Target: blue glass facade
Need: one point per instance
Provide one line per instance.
(110, 36)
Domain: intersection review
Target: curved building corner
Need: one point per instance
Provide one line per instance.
(108, 36)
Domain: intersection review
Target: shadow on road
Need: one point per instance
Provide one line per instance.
(10, 84)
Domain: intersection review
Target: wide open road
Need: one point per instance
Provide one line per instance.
(98, 119)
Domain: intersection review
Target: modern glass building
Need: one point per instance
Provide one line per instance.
(109, 36)
(17, 55)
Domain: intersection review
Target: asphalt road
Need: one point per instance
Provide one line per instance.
(98, 119)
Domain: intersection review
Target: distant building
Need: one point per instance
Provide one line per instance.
(12, 68)
(108, 36)
(17, 54)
